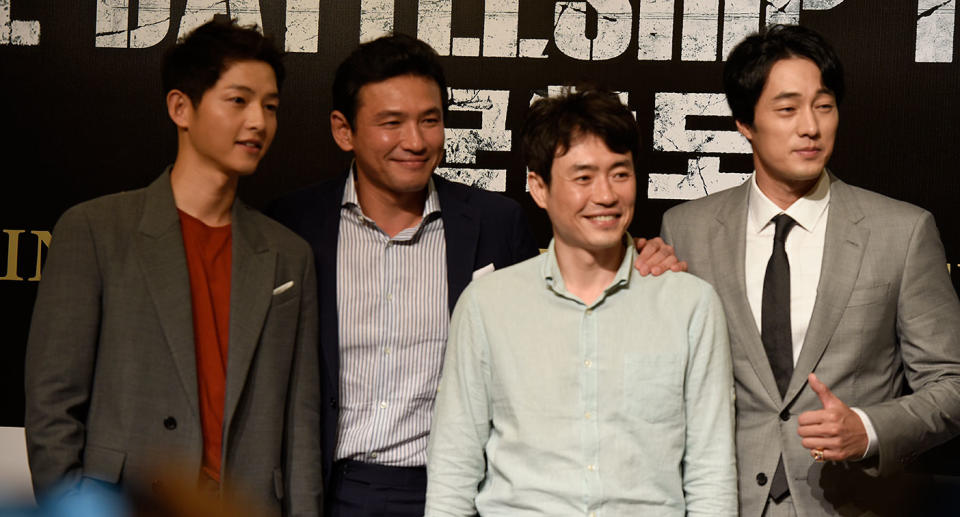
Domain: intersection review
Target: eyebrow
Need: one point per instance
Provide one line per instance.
(399, 113)
(593, 167)
(786, 95)
(825, 90)
(240, 87)
(577, 167)
(793, 95)
(249, 90)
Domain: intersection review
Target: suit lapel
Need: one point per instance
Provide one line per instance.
(461, 232)
(164, 263)
(251, 289)
(731, 234)
(329, 203)
(843, 248)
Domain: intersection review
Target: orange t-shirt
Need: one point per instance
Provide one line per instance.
(209, 258)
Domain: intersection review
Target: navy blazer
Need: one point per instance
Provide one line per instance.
(480, 228)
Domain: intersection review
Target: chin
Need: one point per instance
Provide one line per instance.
(805, 176)
(244, 171)
(604, 243)
(413, 184)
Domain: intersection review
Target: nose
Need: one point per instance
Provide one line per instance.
(807, 123)
(256, 117)
(603, 193)
(413, 140)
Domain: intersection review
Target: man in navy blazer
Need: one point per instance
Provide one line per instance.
(395, 246)
(480, 228)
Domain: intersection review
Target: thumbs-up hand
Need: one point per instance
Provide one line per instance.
(835, 431)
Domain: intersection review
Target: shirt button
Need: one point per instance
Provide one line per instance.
(383, 404)
(587, 415)
(591, 468)
(373, 455)
(386, 350)
(589, 312)
(390, 297)
(593, 514)
(587, 363)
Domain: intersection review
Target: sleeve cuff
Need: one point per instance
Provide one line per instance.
(871, 433)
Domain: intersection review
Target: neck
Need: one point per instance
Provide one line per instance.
(784, 193)
(587, 273)
(392, 211)
(203, 193)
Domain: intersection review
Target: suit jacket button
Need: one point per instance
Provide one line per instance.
(761, 479)
(785, 415)
(170, 423)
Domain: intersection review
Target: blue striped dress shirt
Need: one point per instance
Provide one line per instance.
(393, 320)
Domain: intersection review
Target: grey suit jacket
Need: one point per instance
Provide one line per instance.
(111, 377)
(886, 317)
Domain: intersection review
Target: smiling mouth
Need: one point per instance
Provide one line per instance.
(603, 218)
(413, 163)
(250, 144)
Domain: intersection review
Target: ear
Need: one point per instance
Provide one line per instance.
(341, 130)
(179, 108)
(745, 130)
(539, 190)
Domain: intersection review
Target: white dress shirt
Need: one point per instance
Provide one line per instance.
(804, 247)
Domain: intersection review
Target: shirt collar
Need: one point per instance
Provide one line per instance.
(807, 211)
(554, 279)
(350, 200)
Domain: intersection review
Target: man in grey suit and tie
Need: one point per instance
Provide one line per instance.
(175, 326)
(844, 327)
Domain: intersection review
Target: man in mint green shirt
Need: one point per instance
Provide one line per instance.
(572, 385)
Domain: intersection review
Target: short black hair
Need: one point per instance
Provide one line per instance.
(554, 123)
(198, 59)
(749, 64)
(381, 59)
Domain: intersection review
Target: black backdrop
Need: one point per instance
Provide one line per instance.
(85, 117)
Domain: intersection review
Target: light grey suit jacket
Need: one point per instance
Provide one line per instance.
(111, 376)
(886, 316)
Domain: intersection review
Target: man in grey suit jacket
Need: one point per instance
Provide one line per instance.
(870, 373)
(138, 360)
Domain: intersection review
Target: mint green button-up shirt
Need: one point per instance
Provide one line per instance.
(551, 407)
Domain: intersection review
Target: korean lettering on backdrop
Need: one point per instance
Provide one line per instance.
(707, 35)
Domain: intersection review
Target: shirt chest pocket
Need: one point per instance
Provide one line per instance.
(653, 388)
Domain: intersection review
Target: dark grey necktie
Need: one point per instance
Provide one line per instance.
(775, 329)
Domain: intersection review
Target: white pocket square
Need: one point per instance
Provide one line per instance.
(281, 288)
(483, 271)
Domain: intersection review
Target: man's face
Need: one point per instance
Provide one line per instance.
(233, 124)
(397, 134)
(794, 126)
(591, 195)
